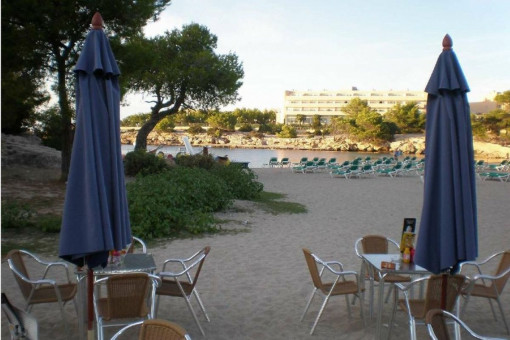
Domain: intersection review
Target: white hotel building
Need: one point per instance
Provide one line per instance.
(328, 104)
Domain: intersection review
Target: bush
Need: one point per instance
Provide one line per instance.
(245, 128)
(178, 201)
(287, 132)
(49, 223)
(165, 125)
(240, 181)
(195, 161)
(16, 215)
(215, 132)
(195, 129)
(141, 162)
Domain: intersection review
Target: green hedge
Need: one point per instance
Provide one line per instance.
(178, 201)
(240, 181)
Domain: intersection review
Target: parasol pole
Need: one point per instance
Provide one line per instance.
(97, 23)
(90, 304)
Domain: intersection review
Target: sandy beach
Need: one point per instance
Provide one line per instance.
(255, 282)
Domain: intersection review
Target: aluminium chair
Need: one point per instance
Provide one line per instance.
(417, 309)
(488, 286)
(376, 244)
(437, 320)
(134, 241)
(182, 283)
(42, 290)
(129, 297)
(156, 329)
(339, 285)
(22, 325)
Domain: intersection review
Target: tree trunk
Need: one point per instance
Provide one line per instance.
(143, 133)
(66, 113)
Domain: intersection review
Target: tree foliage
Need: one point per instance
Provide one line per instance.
(22, 77)
(222, 120)
(57, 30)
(179, 70)
(407, 117)
(363, 123)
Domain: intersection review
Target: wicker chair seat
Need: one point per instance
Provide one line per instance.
(341, 288)
(46, 294)
(170, 287)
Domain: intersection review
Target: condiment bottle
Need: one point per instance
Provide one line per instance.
(406, 257)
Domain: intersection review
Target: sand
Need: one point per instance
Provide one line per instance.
(255, 283)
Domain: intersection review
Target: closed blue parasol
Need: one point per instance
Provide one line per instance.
(448, 227)
(95, 218)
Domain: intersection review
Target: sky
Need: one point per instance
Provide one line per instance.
(338, 44)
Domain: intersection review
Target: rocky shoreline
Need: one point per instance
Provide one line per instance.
(27, 150)
(408, 144)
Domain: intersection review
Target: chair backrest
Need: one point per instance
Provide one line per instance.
(127, 296)
(504, 264)
(312, 267)
(15, 258)
(204, 254)
(374, 244)
(442, 293)
(436, 320)
(157, 329)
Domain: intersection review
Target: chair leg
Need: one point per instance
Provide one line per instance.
(195, 292)
(394, 310)
(348, 305)
(188, 302)
(412, 328)
(503, 316)
(157, 307)
(308, 304)
(361, 308)
(326, 299)
(387, 296)
(492, 309)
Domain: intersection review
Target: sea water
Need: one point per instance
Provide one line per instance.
(259, 158)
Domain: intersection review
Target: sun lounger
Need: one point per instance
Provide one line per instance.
(498, 176)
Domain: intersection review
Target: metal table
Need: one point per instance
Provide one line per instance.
(131, 263)
(374, 261)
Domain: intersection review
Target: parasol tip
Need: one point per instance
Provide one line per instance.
(447, 42)
(97, 21)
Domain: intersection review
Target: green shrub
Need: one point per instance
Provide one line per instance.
(287, 132)
(16, 215)
(195, 129)
(141, 162)
(215, 132)
(178, 201)
(195, 161)
(241, 182)
(49, 223)
(165, 125)
(245, 128)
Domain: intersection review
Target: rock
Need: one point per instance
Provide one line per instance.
(27, 150)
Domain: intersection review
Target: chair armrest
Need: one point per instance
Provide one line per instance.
(48, 264)
(139, 240)
(490, 277)
(405, 286)
(180, 261)
(337, 263)
(26, 279)
(123, 329)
